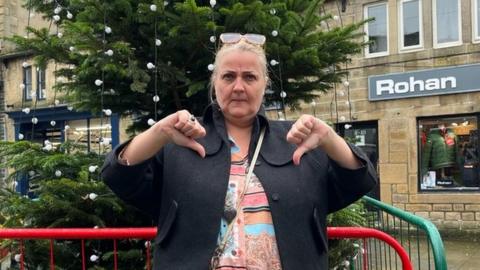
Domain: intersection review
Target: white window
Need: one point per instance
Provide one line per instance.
(411, 30)
(377, 30)
(27, 83)
(41, 94)
(476, 20)
(447, 26)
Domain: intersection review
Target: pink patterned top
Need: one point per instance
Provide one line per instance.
(251, 243)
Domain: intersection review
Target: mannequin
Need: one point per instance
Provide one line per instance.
(440, 151)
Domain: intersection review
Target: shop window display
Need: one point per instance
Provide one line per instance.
(449, 153)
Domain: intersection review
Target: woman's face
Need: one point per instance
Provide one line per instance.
(239, 85)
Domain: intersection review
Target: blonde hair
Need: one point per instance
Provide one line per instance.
(241, 46)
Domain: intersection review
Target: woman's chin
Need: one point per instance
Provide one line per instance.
(238, 113)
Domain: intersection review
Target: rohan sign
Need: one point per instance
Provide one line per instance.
(431, 82)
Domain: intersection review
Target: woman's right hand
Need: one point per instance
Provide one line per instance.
(182, 129)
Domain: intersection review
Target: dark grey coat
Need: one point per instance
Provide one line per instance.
(186, 194)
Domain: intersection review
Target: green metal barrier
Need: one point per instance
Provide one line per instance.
(400, 223)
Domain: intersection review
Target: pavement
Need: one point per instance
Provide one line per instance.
(463, 253)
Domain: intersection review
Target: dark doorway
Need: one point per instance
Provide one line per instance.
(365, 136)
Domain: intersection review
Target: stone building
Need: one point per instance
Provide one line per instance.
(30, 108)
(412, 101)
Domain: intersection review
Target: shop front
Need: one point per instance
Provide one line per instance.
(446, 137)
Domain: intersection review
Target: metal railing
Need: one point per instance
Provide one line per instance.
(418, 236)
(150, 232)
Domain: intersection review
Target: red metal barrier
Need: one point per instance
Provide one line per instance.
(362, 233)
(150, 232)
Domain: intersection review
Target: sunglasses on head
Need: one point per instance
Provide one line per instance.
(232, 38)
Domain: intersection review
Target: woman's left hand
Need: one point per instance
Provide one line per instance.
(308, 133)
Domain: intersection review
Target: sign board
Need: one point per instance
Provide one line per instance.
(429, 82)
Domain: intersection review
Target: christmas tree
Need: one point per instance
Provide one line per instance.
(147, 59)
(153, 58)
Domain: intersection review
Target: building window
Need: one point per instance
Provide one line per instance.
(410, 24)
(41, 94)
(27, 83)
(447, 27)
(449, 153)
(377, 30)
(476, 21)
(90, 133)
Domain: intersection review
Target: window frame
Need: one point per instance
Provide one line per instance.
(437, 45)
(475, 20)
(365, 15)
(27, 91)
(462, 189)
(41, 95)
(401, 36)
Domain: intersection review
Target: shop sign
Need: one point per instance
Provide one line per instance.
(430, 82)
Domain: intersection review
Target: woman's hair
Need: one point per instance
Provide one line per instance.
(242, 46)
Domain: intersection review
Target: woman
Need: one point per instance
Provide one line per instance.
(190, 175)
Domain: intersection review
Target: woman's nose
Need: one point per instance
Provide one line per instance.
(239, 85)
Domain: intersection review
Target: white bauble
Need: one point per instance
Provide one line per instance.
(57, 10)
(58, 173)
(53, 123)
(94, 258)
(26, 110)
(56, 18)
(34, 120)
(109, 52)
(283, 94)
(108, 30)
(151, 122)
(69, 15)
(92, 168)
(274, 33)
(98, 82)
(107, 112)
(153, 8)
(20, 136)
(150, 65)
(67, 127)
(59, 35)
(158, 42)
(92, 196)
(211, 67)
(156, 98)
(213, 3)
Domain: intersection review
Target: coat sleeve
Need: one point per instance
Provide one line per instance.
(345, 186)
(138, 185)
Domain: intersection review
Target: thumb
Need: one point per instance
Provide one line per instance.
(297, 155)
(195, 146)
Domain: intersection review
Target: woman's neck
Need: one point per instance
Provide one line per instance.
(241, 135)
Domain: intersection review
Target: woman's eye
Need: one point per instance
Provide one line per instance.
(250, 77)
(227, 77)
